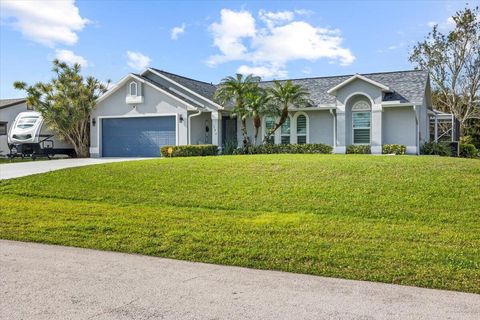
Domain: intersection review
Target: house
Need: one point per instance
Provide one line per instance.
(9, 109)
(143, 112)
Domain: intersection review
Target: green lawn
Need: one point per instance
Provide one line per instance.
(398, 219)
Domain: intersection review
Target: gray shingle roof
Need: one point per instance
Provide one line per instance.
(5, 103)
(407, 86)
(158, 85)
(204, 89)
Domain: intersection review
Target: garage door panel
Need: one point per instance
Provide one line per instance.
(137, 137)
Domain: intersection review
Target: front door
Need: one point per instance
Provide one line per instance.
(229, 130)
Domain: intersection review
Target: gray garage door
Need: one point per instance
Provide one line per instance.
(137, 137)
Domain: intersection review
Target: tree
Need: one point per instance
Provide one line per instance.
(453, 61)
(234, 90)
(257, 105)
(285, 95)
(66, 103)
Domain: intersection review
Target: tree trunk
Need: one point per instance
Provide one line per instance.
(246, 141)
(257, 123)
(283, 118)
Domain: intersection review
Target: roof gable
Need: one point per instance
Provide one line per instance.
(5, 103)
(355, 77)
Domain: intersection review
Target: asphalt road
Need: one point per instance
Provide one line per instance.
(54, 282)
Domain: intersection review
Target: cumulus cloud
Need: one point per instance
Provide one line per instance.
(70, 57)
(176, 31)
(266, 45)
(228, 35)
(45, 21)
(137, 60)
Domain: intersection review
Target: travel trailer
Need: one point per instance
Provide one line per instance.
(29, 136)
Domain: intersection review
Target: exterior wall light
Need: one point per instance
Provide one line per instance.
(180, 118)
(94, 122)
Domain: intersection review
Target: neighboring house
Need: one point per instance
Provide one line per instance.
(143, 112)
(9, 109)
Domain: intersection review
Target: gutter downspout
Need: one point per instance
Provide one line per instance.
(334, 130)
(417, 134)
(189, 124)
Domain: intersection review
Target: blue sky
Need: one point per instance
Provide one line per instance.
(208, 40)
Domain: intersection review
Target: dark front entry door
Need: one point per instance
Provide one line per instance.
(229, 130)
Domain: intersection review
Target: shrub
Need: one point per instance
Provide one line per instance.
(358, 149)
(190, 151)
(468, 150)
(286, 148)
(394, 149)
(436, 148)
(230, 146)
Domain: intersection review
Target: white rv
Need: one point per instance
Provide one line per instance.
(30, 136)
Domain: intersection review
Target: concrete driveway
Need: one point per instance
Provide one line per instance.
(54, 282)
(20, 169)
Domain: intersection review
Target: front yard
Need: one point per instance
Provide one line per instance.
(401, 219)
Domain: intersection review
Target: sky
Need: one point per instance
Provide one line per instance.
(208, 40)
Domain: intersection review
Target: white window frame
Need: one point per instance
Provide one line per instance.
(307, 124)
(364, 110)
(281, 135)
(130, 89)
(264, 128)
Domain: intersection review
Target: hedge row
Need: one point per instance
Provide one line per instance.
(318, 148)
(358, 149)
(397, 149)
(189, 151)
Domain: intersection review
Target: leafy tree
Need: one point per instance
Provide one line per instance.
(234, 90)
(453, 61)
(66, 103)
(284, 95)
(258, 104)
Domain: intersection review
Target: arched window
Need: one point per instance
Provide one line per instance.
(361, 122)
(285, 132)
(302, 129)
(133, 88)
(269, 124)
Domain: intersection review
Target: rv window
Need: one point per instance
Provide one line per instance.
(26, 122)
(3, 128)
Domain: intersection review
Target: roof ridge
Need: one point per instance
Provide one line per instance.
(184, 77)
(345, 75)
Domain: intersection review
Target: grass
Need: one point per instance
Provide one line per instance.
(404, 220)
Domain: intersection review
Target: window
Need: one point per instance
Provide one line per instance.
(269, 124)
(361, 119)
(301, 129)
(133, 89)
(3, 128)
(285, 132)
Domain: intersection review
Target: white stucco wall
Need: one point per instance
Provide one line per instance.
(399, 126)
(155, 103)
(8, 115)
(198, 128)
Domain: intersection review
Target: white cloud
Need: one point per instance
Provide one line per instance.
(269, 48)
(271, 71)
(47, 22)
(70, 57)
(137, 60)
(228, 35)
(176, 31)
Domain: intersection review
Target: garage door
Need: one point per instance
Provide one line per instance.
(137, 137)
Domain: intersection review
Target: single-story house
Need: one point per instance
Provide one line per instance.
(9, 109)
(143, 112)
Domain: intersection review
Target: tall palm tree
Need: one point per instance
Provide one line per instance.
(234, 90)
(258, 104)
(284, 95)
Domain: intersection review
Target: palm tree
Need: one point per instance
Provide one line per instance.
(258, 104)
(234, 90)
(284, 95)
